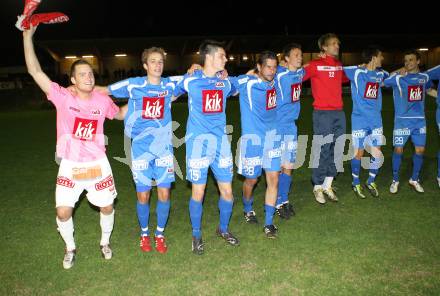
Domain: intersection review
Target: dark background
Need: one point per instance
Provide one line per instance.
(107, 19)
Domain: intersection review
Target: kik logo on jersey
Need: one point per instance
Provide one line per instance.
(371, 90)
(415, 93)
(296, 92)
(153, 108)
(271, 99)
(85, 129)
(212, 101)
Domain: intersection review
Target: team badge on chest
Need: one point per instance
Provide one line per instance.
(271, 99)
(415, 93)
(153, 108)
(371, 90)
(296, 92)
(212, 101)
(85, 129)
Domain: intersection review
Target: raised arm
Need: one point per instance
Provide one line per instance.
(32, 63)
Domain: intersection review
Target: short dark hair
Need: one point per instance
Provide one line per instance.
(414, 52)
(209, 47)
(322, 41)
(369, 52)
(289, 47)
(266, 55)
(77, 63)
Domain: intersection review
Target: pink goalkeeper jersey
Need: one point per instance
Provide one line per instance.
(80, 124)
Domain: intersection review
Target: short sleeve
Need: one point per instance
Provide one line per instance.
(119, 89)
(350, 71)
(112, 108)
(57, 94)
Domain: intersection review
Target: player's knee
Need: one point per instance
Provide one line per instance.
(286, 171)
(398, 150)
(143, 197)
(226, 193)
(198, 193)
(107, 210)
(272, 179)
(376, 151)
(250, 182)
(64, 213)
(163, 194)
(420, 150)
(359, 153)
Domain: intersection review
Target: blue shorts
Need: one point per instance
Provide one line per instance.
(150, 164)
(404, 128)
(208, 151)
(289, 145)
(258, 153)
(366, 133)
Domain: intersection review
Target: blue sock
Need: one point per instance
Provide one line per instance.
(281, 187)
(162, 211)
(356, 170)
(270, 210)
(284, 187)
(247, 204)
(225, 208)
(143, 214)
(195, 213)
(279, 201)
(438, 164)
(417, 166)
(374, 170)
(397, 160)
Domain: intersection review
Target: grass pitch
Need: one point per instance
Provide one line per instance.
(384, 246)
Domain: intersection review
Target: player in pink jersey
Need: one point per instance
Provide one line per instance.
(81, 147)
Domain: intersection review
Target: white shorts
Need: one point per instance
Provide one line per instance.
(101, 189)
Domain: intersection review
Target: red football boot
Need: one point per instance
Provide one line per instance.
(161, 246)
(145, 244)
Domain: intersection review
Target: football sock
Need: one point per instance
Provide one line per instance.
(397, 161)
(195, 214)
(355, 170)
(106, 222)
(143, 214)
(66, 231)
(225, 208)
(162, 212)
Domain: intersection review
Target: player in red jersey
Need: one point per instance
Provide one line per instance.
(326, 76)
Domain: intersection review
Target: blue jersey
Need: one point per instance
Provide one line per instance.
(434, 74)
(206, 103)
(365, 91)
(289, 85)
(258, 104)
(409, 94)
(149, 105)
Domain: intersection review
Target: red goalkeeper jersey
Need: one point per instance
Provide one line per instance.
(326, 76)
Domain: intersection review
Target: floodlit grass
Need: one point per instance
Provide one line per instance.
(384, 246)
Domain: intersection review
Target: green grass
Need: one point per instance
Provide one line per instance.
(385, 246)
